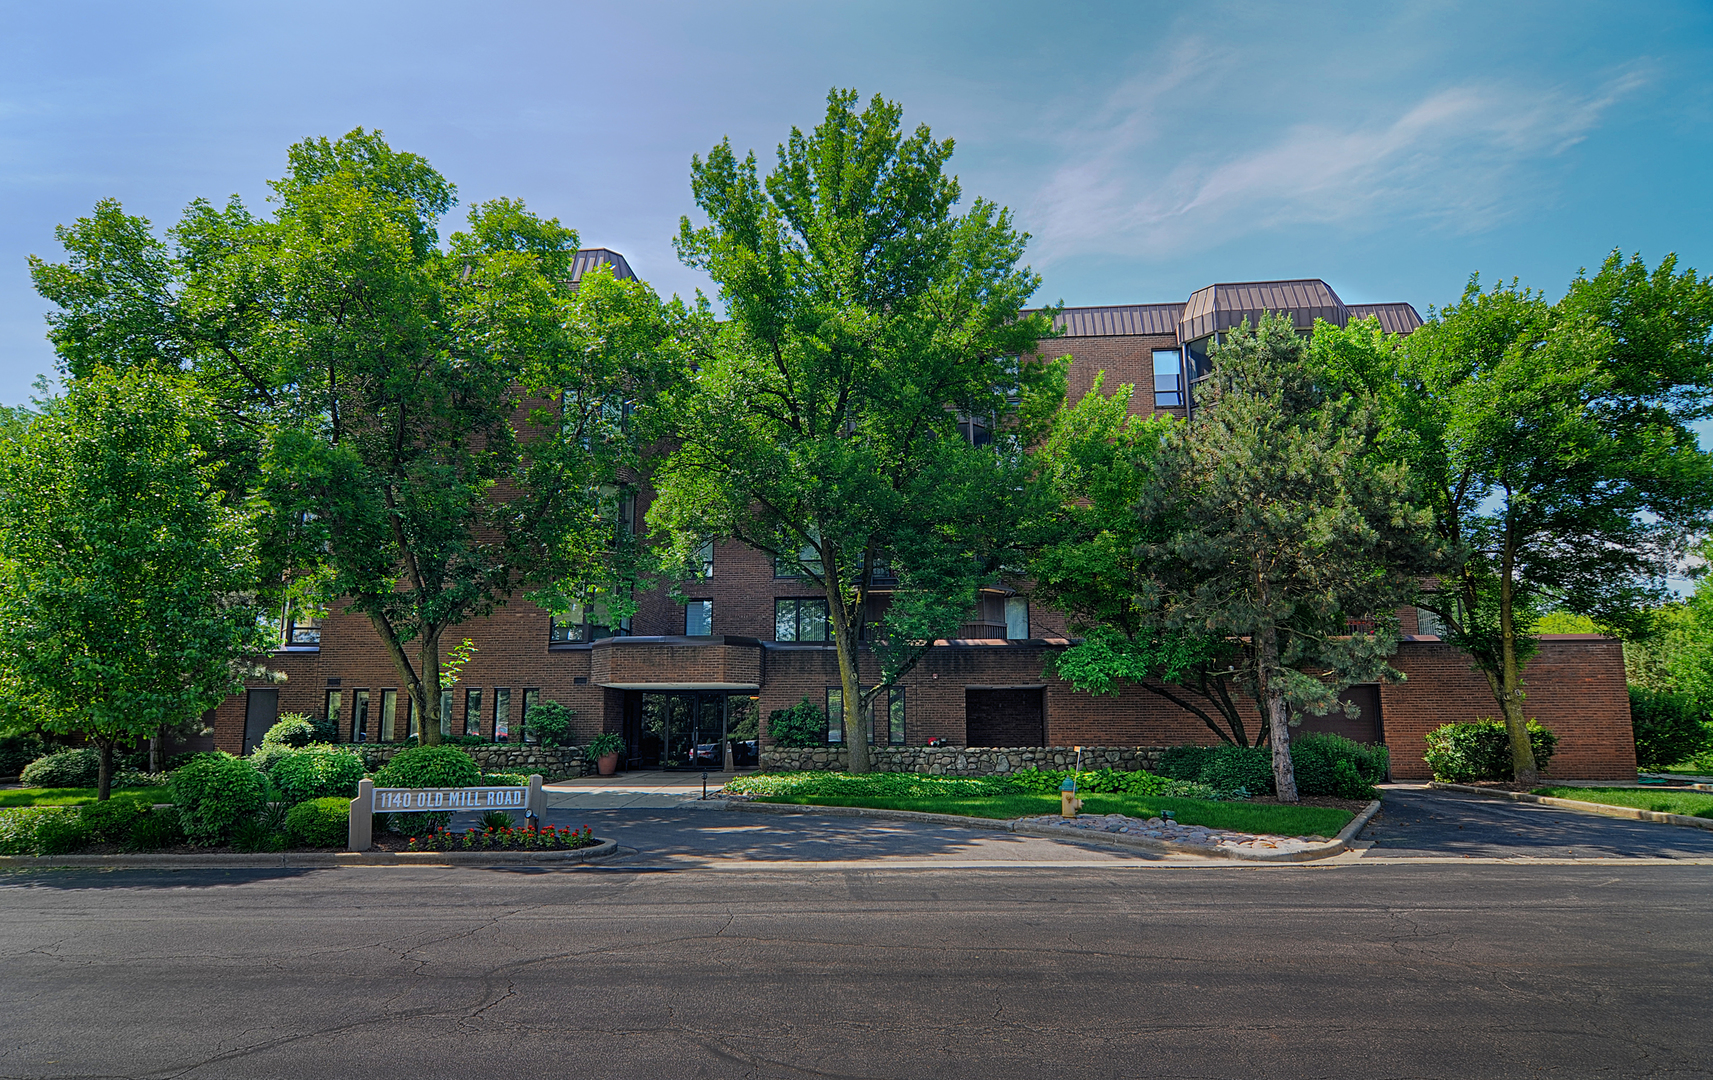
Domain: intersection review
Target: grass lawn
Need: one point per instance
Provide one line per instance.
(1687, 768)
(1237, 816)
(71, 796)
(1687, 803)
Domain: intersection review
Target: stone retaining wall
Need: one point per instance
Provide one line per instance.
(965, 760)
(558, 763)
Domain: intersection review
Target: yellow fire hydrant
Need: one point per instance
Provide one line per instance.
(1069, 804)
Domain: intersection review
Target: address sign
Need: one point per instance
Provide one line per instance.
(419, 800)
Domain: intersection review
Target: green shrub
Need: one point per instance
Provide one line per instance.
(315, 772)
(1106, 782)
(326, 731)
(111, 822)
(214, 794)
(1234, 768)
(1328, 764)
(17, 751)
(292, 729)
(549, 723)
(1669, 728)
(156, 829)
(61, 834)
(134, 778)
(1481, 750)
(603, 744)
(68, 768)
(264, 757)
(20, 827)
(429, 766)
(497, 819)
(504, 779)
(323, 822)
(803, 724)
(1185, 762)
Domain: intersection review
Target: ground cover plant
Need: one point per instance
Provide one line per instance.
(504, 838)
(1687, 803)
(1002, 798)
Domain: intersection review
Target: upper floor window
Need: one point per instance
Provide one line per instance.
(699, 618)
(705, 559)
(800, 619)
(806, 564)
(1017, 618)
(1168, 367)
(303, 630)
(976, 430)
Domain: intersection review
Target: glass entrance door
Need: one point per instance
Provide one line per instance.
(682, 729)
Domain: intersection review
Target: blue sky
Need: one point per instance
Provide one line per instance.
(1149, 148)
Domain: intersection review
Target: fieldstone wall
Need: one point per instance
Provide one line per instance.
(965, 760)
(558, 763)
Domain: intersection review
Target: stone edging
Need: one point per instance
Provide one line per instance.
(1164, 847)
(221, 860)
(1630, 812)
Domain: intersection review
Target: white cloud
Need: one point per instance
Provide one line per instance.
(1455, 159)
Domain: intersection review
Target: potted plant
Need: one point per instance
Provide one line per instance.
(605, 749)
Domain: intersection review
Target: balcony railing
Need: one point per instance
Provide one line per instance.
(982, 630)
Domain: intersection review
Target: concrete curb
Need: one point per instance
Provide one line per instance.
(1629, 812)
(1336, 846)
(220, 860)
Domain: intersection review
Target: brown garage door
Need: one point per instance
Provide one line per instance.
(1004, 718)
(1364, 727)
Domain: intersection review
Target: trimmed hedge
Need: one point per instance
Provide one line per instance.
(215, 792)
(430, 766)
(17, 751)
(1669, 728)
(315, 772)
(1325, 765)
(321, 822)
(68, 768)
(1481, 750)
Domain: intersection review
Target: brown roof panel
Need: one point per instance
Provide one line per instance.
(1223, 306)
(1119, 320)
(589, 258)
(1394, 318)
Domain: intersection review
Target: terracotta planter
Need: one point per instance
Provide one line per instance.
(608, 764)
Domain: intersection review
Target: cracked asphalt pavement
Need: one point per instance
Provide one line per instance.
(758, 957)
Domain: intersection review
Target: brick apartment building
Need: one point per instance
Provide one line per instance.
(682, 683)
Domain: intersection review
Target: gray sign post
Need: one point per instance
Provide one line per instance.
(372, 800)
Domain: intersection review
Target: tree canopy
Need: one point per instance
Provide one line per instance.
(127, 576)
(861, 413)
(396, 400)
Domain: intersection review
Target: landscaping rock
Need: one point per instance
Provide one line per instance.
(1158, 829)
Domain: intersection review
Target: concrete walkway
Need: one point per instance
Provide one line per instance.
(635, 790)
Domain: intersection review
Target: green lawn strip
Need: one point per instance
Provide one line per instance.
(1687, 803)
(1687, 768)
(1236, 816)
(72, 796)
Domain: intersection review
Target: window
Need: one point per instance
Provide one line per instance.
(502, 713)
(564, 628)
(699, 618)
(473, 711)
(705, 555)
(588, 620)
(360, 717)
(530, 697)
(1168, 363)
(1428, 624)
(410, 713)
(976, 430)
(303, 631)
(1017, 618)
(1197, 361)
(800, 619)
(335, 699)
(389, 715)
(807, 563)
(887, 728)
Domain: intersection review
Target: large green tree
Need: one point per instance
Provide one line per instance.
(127, 577)
(1087, 546)
(396, 400)
(865, 318)
(1556, 447)
(1285, 535)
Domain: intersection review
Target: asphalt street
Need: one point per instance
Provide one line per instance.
(799, 951)
(1419, 822)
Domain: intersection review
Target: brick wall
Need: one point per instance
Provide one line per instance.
(968, 761)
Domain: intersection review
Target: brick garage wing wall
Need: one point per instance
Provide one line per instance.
(1575, 686)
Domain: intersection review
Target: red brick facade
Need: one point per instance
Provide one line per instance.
(1576, 685)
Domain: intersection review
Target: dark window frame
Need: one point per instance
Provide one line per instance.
(797, 603)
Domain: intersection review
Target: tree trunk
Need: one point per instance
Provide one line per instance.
(1510, 675)
(155, 752)
(844, 642)
(429, 661)
(1278, 717)
(104, 778)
